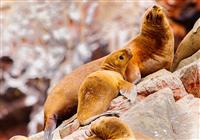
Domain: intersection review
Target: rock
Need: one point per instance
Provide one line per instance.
(141, 136)
(187, 123)
(38, 136)
(153, 115)
(189, 60)
(190, 77)
(159, 80)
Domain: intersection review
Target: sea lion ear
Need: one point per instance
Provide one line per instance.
(128, 90)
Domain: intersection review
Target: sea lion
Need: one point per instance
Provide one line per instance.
(153, 49)
(188, 46)
(62, 100)
(100, 87)
(113, 128)
(110, 128)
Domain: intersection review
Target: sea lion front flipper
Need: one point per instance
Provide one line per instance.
(133, 74)
(128, 90)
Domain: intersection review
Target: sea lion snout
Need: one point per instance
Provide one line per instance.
(156, 7)
(155, 15)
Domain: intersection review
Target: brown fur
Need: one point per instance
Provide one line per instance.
(100, 87)
(113, 128)
(152, 50)
(188, 46)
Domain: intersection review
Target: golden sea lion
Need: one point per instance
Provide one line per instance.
(113, 128)
(100, 87)
(62, 101)
(153, 49)
(110, 128)
(188, 46)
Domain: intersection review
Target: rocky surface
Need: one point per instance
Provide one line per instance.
(153, 115)
(187, 123)
(190, 77)
(159, 80)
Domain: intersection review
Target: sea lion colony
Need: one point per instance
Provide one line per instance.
(152, 48)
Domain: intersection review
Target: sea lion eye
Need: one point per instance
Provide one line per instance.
(121, 57)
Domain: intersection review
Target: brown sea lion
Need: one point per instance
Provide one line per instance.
(113, 128)
(62, 101)
(152, 49)
(110, 128)
(188, 46)
(100, 87)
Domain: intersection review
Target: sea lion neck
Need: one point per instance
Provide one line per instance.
(106, 66)
(152, 31)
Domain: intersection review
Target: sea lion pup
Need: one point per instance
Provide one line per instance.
(100, 87)
(111, 128)
(188, 46)
(153, 49)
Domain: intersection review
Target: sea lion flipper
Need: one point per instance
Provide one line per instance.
(128, 90)
(50, 125)
(188, 46)
(134, 73)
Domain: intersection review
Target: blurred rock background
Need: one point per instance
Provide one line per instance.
(42, 40)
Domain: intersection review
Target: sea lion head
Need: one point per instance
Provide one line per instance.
(155, 17)
(118, 60)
